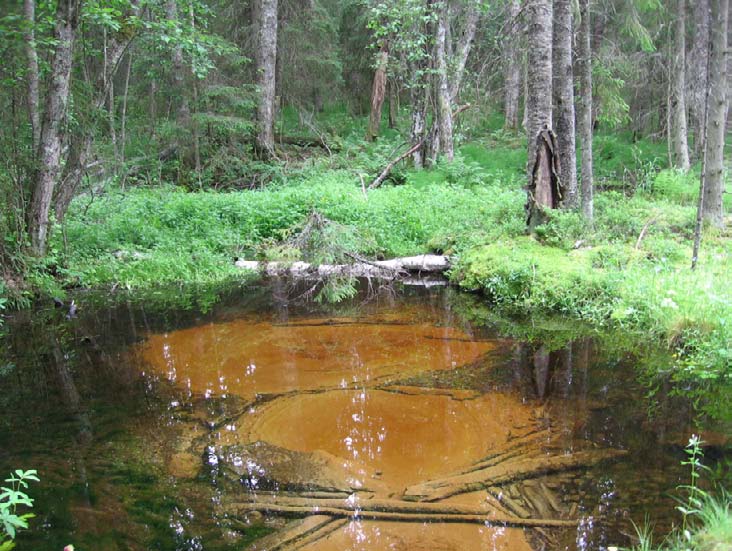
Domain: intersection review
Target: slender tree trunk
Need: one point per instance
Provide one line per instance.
(419, 96)
(712, 210)
(463, 48)
(564, 101)
(29, 10)
(378, 93)
(444, 106)
(184, 110)
(108, 84)
(391, 85)
(512, 69)
(123, 116)
(67, 21)
(680, 138)
(696, 70)
(539, 75)
(266, 61)
(585, 109)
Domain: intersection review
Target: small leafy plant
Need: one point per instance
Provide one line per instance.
(12, 498)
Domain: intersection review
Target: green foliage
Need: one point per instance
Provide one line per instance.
(12, 499)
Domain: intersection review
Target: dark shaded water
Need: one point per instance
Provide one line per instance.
(168, 428)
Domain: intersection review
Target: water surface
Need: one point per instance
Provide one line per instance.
(394, 423)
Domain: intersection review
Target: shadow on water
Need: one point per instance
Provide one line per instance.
(417, 420)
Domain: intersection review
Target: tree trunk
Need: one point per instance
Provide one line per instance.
(585, 108)
(678, 76)
(378, 93)
(539, 103)
(419, 94)
(393, 104)
(266, 60)
(697, 72)
(714, 187)
(29, 10)
(564, 100)
(539, 74)
(463, 51)
(512, 69)
(444, 108)
(67, 21)
(123, 116)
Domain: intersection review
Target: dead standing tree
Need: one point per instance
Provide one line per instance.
(545, 186)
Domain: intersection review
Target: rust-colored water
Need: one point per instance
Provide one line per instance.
(392, 437)
(209, 430)
(247, 357)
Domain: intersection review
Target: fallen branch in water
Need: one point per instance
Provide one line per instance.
(504, 473)
(394, 510)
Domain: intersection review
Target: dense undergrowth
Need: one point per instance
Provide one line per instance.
(629, 271)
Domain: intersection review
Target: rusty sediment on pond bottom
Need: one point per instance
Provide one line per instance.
(248, 357)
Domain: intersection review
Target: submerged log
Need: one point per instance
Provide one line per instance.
(504, 473)
(394, 510)
(299, 533)
(383, 269)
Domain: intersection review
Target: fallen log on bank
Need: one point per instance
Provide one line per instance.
(382, 269)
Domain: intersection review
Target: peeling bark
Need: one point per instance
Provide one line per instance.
(545, 186)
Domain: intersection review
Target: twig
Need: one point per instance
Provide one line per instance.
(643, 232)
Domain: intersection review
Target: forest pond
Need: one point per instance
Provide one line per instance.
(407, 420)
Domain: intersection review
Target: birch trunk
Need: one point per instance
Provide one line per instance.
(444, 108)
(266, 64)
(564, 100)
(585, 108)
(463, 48)
(539, 75)
(378, 93)
(512, 70)
(697, 72)
(29, 11)
(712, 210)
(678, 76)
(67, 21)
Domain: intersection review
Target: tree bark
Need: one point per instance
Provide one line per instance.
(444, 109)
(564, 101)
(697, 72)
(539, 76)
(266, 60)
(512, 69)
(541, 153)
(67, 21)
(678, 76)
(585, 108)
(29, 11)
(714, 187)
(378, 93)
(463, 47)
